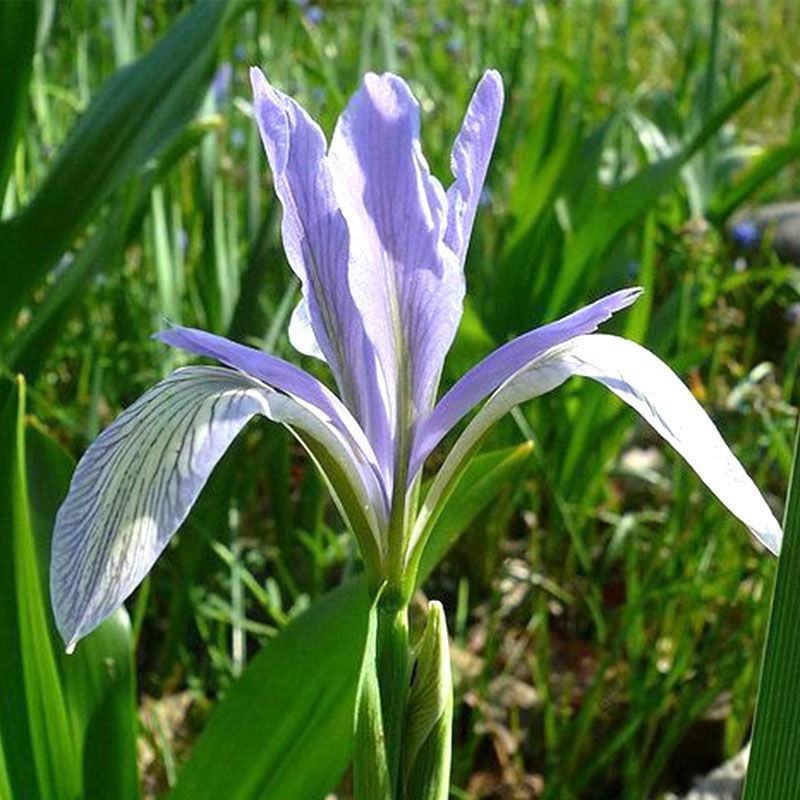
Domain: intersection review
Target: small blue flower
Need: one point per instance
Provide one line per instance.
(221, 83)
(314, 15)
(746, 234)
(453, 46)
(183, 241)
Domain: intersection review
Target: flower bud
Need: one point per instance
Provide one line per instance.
(427, 746)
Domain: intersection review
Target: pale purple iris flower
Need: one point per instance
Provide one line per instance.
(379, 247)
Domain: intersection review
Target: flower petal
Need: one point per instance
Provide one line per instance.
(407, 284)
(275, 372)
(650, 387)
(137, 482)
(301, 332)
(470, 160)
(317, 245)
(486, 376)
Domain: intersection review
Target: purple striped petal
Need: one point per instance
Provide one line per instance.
(317, 244)
(138, 480)
(407, 284)
(484, 378)
(470, 160)
(278, 374)
(650, 387)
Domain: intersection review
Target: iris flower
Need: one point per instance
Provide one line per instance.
(379, 248)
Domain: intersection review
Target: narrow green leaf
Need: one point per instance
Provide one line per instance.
(135, 115)
(627, 203)
(773, 772)
(28, 350)
(285, 730)
(35, 736)
(472, 492)
(769, 164)
(98, 679)
(18, 20)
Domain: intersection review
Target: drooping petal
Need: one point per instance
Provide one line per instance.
(470, 159)
(137, 482)
(486, 376)
(317, 244)
(275, 372)
(407, 284)
(650, 387)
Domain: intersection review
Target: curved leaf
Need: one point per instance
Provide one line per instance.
(285, 730)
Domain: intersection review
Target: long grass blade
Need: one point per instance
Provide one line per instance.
(773, 772)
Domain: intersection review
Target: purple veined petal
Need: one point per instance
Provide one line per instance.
(137, 482)
(275, 372)
(486, 376)
(317, 244)
(469, 162)
(407, 284)
(650, 387)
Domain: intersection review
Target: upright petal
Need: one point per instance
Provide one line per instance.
(137, 482)
(650, 387)
(406, 282)
(470, 160)
(317, 245)
(484, 378)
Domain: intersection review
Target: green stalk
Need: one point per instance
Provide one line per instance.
(773, 772)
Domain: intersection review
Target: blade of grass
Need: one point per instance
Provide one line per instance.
(133, 117)
(773, 771)
(34, 729)
(628, 202)
(18, 20)
(765, 167)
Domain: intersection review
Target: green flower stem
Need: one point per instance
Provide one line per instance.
(393, 667)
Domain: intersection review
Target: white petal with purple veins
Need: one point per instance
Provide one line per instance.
(650, 387)
(137, 482)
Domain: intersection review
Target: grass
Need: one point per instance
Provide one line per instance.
(608, 614)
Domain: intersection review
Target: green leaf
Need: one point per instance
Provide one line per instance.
(34, 728)
(98, 680)
(629, 202)
(769, 164)
(471, 491)
(775, 752)
(133, 117)
(28, 350)
(69, 728)
(18, 20)
(285, 729)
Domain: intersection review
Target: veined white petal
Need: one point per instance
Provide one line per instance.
(137, 482)
(650, 387)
